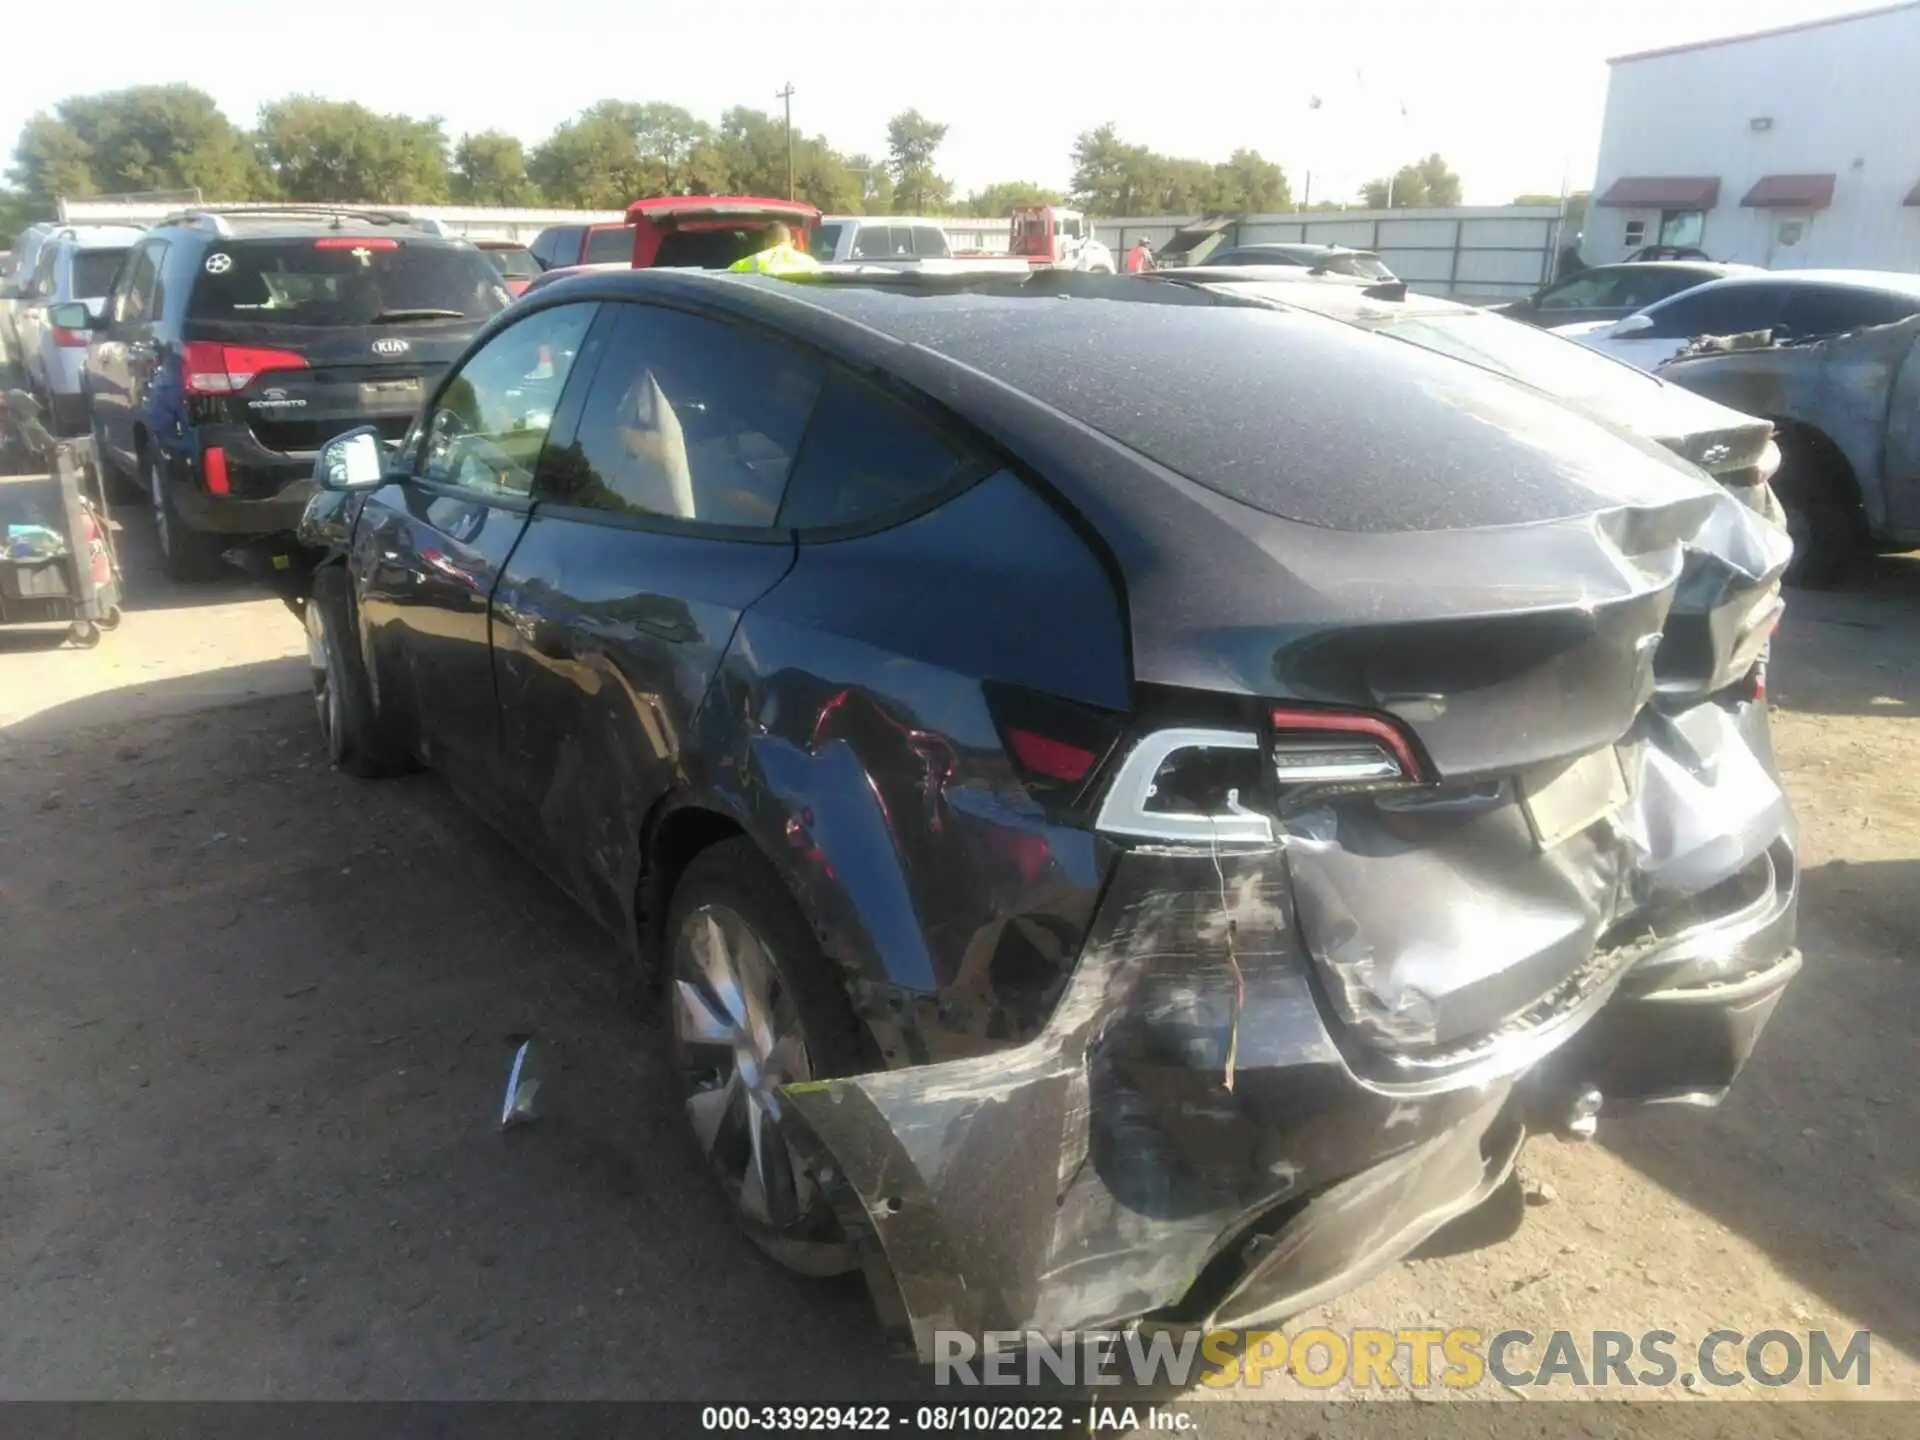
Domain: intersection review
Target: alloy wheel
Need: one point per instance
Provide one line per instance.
(739, 1038)
(326, 694)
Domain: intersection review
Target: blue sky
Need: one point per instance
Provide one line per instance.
(1510, 94)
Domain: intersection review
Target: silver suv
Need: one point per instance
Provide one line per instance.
(76, 262)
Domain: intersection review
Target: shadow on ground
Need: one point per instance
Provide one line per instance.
(255, 1023)
(1816, 1131)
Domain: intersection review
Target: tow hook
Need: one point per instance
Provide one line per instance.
(1583, 1116)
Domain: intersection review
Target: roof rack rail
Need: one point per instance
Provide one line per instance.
(218, 218)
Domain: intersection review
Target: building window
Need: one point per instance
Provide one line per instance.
(1683, 227)
(1636, 232)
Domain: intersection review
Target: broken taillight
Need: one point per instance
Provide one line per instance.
(1202, 785)
(1343, 748)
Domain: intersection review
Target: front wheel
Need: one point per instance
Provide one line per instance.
(752, 1007)
(350, 727)
(1823, 515)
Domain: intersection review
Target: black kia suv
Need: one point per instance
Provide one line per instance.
(236, 340)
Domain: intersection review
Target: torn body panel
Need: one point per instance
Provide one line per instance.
(1107, 1171)
(1860, 390)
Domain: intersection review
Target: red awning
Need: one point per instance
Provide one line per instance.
(1663, 192)
(1791, 192)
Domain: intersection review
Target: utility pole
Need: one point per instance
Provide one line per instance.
(786, 95)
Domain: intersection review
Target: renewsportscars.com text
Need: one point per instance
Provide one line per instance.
(1460, 1358)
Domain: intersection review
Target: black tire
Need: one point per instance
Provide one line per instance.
(187, 555)
(350, 727)
(1815, 488)
(796, 1225)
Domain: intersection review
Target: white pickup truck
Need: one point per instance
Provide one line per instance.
(898, 242)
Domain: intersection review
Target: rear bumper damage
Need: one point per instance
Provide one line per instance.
(1109, 1172)
(1279, 1067)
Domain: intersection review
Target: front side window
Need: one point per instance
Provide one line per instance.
(491, 419)
(344, 280)
(874, 242)
(133, 300)
(688, 419)
(929, 242)
(1834, 309)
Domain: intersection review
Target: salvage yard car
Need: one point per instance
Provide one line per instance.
(236, 340)
(1116, 846)
(1846, 410)
(1791, 303)
(1604, 293)
(75, 263)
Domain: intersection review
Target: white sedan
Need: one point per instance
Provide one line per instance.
(1789, 303)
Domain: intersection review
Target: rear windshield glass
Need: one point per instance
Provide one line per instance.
(824, 239)
(514, 264)
(1548, 362)
(93, 272)
(342, 280)
(610, 247)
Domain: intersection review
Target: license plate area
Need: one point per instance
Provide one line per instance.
(1562, 801)
(389, 394)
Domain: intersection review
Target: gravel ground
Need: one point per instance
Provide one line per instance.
(255, 1017)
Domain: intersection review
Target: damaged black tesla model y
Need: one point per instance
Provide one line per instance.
(1135, 802)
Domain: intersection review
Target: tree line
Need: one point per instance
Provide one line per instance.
(306, 148)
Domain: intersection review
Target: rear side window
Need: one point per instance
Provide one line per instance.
(1832, 309)
(93, 272)
(866, 455)
(344, 281)
(1719, 310)
(610, 246)
(874, 242)
(688, 419)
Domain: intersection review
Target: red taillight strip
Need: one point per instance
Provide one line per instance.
(1348, 722)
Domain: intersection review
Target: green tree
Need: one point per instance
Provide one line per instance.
(997, 199)
(150, 137)
(1252, 184)
(1424, 185)
(750, 157)
(1107, 172)
(876, 185)
(913, 141)
(591, 161)
(336, 150)
(490, 168)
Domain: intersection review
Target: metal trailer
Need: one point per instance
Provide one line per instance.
(58, 564)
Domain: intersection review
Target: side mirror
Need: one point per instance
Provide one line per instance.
(353, 461)
(72, 315)
(1633, 324)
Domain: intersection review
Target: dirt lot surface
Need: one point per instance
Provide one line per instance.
(255, 1019)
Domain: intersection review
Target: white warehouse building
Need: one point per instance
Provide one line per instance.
(1791, 148)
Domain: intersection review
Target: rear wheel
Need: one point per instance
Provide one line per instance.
(185, 554)
(342, 698)
(752, 1007)
(1815, 487)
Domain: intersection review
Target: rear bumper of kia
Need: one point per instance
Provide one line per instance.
(266, 491)
(1198, 1138)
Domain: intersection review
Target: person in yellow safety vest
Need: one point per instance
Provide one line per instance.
(780, 257)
